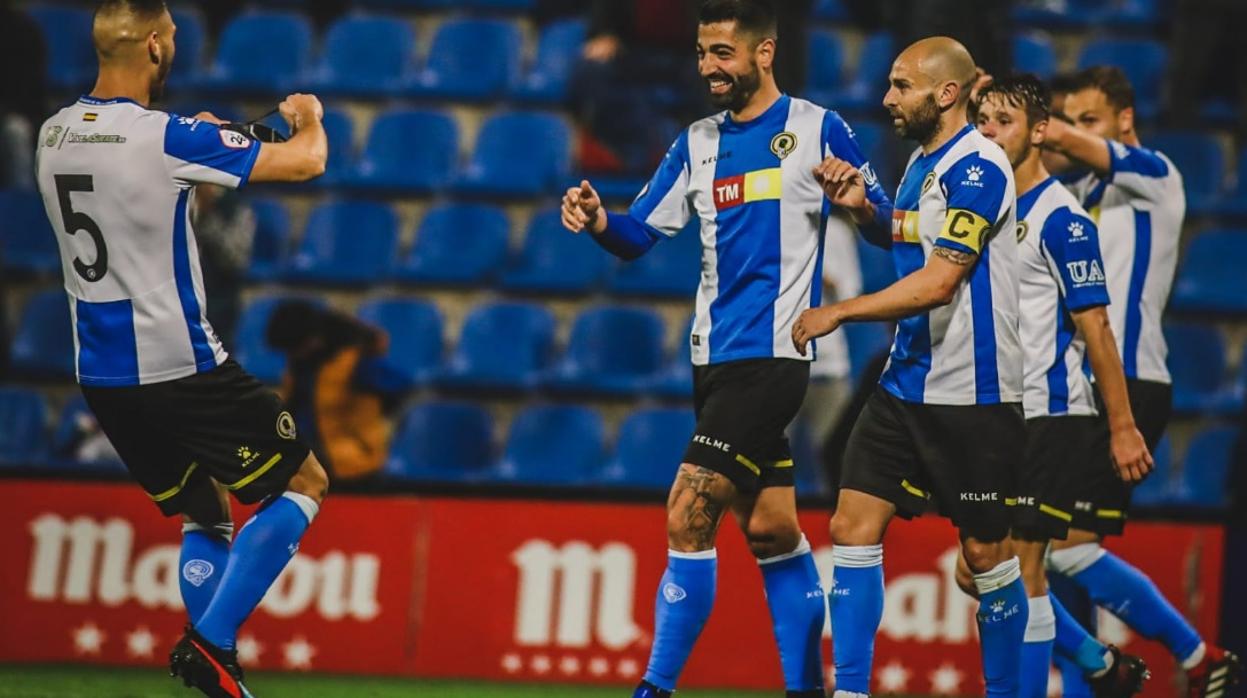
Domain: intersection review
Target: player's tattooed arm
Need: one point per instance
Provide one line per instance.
(957, 257)
(698, 500)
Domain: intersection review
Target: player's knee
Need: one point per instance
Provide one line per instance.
(206, 505)
(848, 529)
(311, 480)
(771, 538)
(689, 534)
(982, 556)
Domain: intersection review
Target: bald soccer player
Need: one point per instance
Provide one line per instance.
(118, 179)
(945, 425)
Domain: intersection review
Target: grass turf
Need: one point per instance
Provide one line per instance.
(73, 681)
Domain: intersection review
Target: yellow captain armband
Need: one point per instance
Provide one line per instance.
(966, 230)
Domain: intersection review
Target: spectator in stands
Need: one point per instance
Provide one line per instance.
(224, 228)
(342, 421)
(22, 98)
(1209, 59)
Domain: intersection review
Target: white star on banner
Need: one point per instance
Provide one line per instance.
(892, 677)
(541, 664)
(249, 649)
(599, 666)
(298, 653)
(628, 668)
(945, 680)
(569, 665)
(511, 662)
(88, 638)
(141, 643)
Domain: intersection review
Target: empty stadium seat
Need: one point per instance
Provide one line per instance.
(343, 155)
(470, 59)
(279, 42)
(831, 11)
(190, 36)
(348, 243)
(527, 333)
(1204, 478)
(1033, 53)
(67, 449)
(1199, 158)
(1233, 203)
(43, 347)
(612, 351)
(1196, 364)
(458, 244)
(1159, 488)
(414, 354)
(23, 427)
(70, 52)
(558, 50)
(552, 260)
(365, 56)
(408, 150)
(672, 268)
(251, 350)
(649, 448)
(1143, 61)
(553, 445)
(675, 380)
(270, 247)
(1210, 278)
(27, 241)
(518, 153)
(825, 65)
(870, 78)
(444, 442)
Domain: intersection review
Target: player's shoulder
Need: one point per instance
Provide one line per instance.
(1140, 160)
(1067, 224)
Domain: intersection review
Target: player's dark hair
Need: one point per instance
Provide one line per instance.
(755, 17)
(1110, 80)
(146, 9)
(1023, 91)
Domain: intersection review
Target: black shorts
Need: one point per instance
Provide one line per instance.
(1061, 452)
(223, 424)
(1104, 502)
(960, 457)
(743, 409)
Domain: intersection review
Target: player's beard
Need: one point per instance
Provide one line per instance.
(741, 89)
(922, 124)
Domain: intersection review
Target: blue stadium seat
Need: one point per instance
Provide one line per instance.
(649, 448)
(866, 340)
(612, 351)
(1204, 478)
(280, 42)
(442, 442)
(270, 247)
(831, 11)
(43, 347)
(1159, 488)
(190, 37)
(415, 348)
(519, 154)
(825, 69)
(252, 351)
(672, 268)
(23, 427)
(1210, 278)
(1059, 15)
(343, 155)
(27, 241)
(1233, 204)
(505, 6)
(1233, 398)
(408, 150)
(365, 56)
(1143, 61)
(553, 445)
(1196, 364)
(675, 380)
(1033, 53)
(470, 59)
(457, 244)
(1199, 158)
(878, 269)
(553, 260)
(1130, 15)
(870, 78)
(527, 332)
(558, 50)
(70, 51)
(68, 431)
(347, 243)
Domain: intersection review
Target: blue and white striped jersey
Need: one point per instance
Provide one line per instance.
(1061, 272)
(117, 180)
(762, 219)
(960, 196)
(1139, 209)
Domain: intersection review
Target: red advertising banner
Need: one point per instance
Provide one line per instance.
(501, 589)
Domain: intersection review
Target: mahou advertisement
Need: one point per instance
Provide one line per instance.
(513, 590)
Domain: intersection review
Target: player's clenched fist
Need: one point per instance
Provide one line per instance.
(299, 108)
(814, 323)
(582, 208)
(842, 182)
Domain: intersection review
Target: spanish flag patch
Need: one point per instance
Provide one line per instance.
(90, 116)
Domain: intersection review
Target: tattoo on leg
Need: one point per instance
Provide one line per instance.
(699, 498)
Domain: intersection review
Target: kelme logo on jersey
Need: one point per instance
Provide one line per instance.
(759, 185)
(974, 174)
(783, 143)
(1076, 231)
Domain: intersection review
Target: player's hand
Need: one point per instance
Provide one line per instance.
(842, 183)
(582, 208)
(1130, 454)
(814, 323)
(982, 79)
(299, 108)
(210, 118)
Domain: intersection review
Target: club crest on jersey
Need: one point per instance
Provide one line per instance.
(1023, 229)
(783, 143)
(234, 139)
(928, 181)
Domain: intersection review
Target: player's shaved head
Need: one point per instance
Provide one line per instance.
(122, 27)
(930, 88)
(941, 59)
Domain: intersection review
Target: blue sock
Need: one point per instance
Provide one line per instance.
(1128, 594)
(1073, 654)
(685, 597)
(1003, 609)
(205, 552)
(1037, 648)
(856, 609)
(1075, 643)
(1073, 678)
(798, 612)
(263, 547)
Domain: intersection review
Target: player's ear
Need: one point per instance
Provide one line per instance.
(948, 95)
(1039, 133)
(765, 53)
(1125, 120)
(154, 51)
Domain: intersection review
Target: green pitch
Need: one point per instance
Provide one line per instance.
(67, 681)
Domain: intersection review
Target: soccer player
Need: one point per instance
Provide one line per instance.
(1064, 320)
(117, 179)
(761, 177)
(946, 421)
(1136, 197)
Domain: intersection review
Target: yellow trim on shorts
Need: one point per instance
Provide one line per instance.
(748, 464)
(914, 490)
(1011, 501)
(1053, 511)
(256, 473)
(173, 491)
(1110, 514)
(782, 463)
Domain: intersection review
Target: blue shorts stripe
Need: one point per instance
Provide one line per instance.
(1134, 300)
(986, 373)
(204, 357)
(107, 351)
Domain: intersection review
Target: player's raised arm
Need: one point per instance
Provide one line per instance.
(1079, 145)
(301, 158)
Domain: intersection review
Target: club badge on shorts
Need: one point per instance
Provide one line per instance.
(285, 426)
